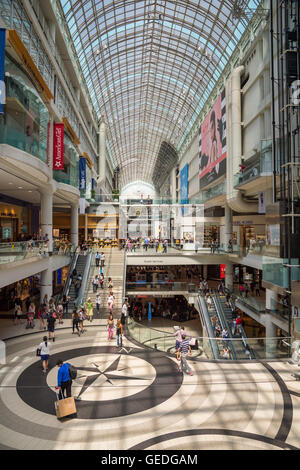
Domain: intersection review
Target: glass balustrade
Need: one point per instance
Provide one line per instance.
(257, 348)
(16, 251)
(24, 122)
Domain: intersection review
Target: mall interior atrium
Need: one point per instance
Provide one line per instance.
(149, 225)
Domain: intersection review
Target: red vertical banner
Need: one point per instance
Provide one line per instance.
(58, 146)
(222, 271)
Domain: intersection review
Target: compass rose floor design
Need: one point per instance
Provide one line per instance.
(135, 398)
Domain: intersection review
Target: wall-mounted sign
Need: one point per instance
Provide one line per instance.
(58, 146)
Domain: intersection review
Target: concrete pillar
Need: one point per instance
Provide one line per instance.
(74, 224)
(228, 226)
(102, 152)
(229, 275)
(46, 284)
(271, 300)
(271, 341)
(47, 216)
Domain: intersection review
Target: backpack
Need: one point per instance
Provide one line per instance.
(72, 372)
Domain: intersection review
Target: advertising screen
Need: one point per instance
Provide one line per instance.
(212, 143)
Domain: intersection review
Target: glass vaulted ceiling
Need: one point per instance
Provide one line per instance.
(149, 67)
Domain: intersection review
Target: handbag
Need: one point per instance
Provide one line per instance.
(38, 352)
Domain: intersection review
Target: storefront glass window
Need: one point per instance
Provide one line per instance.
(24, 122)
(69, 175)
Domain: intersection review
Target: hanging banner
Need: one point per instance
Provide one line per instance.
(82, 173)
(261, 203)
(212, 143)
(81, 205)
(2, 66)
(58, 146)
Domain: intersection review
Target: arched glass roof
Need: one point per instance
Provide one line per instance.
(150, 66)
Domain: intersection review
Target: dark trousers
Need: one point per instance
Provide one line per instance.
(65, 386)
(75, 325)
(97, 261)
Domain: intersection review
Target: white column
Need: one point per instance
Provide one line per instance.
(271, 300)
(228, 226)
(229, 275)
(74, 224)
(271, 341)
(46, 222)
(46, 284)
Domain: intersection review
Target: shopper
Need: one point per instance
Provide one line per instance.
(185, 349)
(89, 309)
(110, 283)
(81, 318)
(75, 322)
(226, 353)
(102, 259)
(101, 280)
(110, 326)
(64, 381)
(44, 348)
(60, 312)
(18, 314)
(51, 319)
(119, 332)
(98, 302)
(257, 291)
(41, 316)
(65, 303)
(95, 284)
(110, 301)
(97, 257)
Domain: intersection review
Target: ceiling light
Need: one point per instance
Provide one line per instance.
(20, 187)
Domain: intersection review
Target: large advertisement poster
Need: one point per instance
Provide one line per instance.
(212, 143)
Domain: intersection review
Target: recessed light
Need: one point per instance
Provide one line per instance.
(9, 183)
(20, 187)
(29, 191)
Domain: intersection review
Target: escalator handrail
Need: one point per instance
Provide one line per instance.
(72, 266)
(223, 322)
(80, 299)
(243, 333)
(206, 320)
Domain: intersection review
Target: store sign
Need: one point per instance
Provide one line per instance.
(82, 173)
(58, 146)
(222, 271)
(2, 67)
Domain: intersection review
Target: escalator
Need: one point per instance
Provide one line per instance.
(240, 346)
(212, 347)
(80, 263)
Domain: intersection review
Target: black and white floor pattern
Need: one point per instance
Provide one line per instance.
(135, 398)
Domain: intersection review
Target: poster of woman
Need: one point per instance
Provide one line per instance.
(212, 144)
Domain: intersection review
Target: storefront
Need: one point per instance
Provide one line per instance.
(247, 275)
(23, 289)
(17, 222)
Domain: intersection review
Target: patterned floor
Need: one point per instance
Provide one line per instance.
(135, 398)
